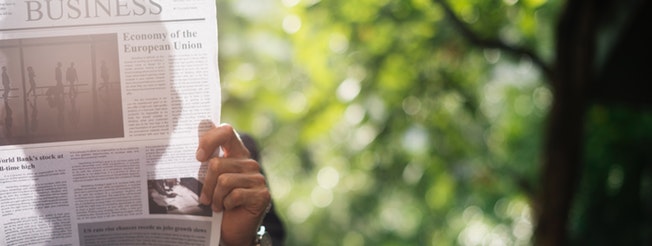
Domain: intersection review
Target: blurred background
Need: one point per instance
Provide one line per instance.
(427, 122)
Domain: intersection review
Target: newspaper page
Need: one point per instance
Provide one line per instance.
(102, 103)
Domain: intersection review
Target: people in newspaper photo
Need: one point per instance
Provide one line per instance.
(77, 109)
(176, 196)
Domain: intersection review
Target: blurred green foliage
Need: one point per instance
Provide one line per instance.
(381, 125)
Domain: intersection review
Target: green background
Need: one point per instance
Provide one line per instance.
(381, 124)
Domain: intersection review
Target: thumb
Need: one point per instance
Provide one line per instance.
(225, 137)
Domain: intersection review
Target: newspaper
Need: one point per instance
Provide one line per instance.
(102, 105)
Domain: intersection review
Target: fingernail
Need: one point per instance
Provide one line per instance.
(200, 155)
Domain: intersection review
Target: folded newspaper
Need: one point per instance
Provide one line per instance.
(102, 105)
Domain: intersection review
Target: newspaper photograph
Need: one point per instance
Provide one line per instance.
(102, 103)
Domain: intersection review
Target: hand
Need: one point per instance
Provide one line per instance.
(233, 184)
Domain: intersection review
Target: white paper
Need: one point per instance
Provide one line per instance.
(101, 106)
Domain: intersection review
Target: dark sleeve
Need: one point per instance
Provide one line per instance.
(272, 222)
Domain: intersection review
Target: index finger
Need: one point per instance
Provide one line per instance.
(223, 136)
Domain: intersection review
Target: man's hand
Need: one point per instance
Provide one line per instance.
(233, 184)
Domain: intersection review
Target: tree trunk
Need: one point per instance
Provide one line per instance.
(573, 72)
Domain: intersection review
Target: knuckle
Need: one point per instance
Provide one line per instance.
(267, 197)
(251, 165)
(214, 165)
(226, 127)
(235, 195)
(223, 180)
(259, 180)
(234, 199)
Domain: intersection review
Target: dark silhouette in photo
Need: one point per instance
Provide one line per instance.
(33, 121)
(104, 75)
(54, 96)
(32, 83)
(74, 111)
(71, 77)
(66, 98)
(58, 75)
(6, 84)
(176, 196)
(9, 119)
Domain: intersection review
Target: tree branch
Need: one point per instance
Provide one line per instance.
(493, 43)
